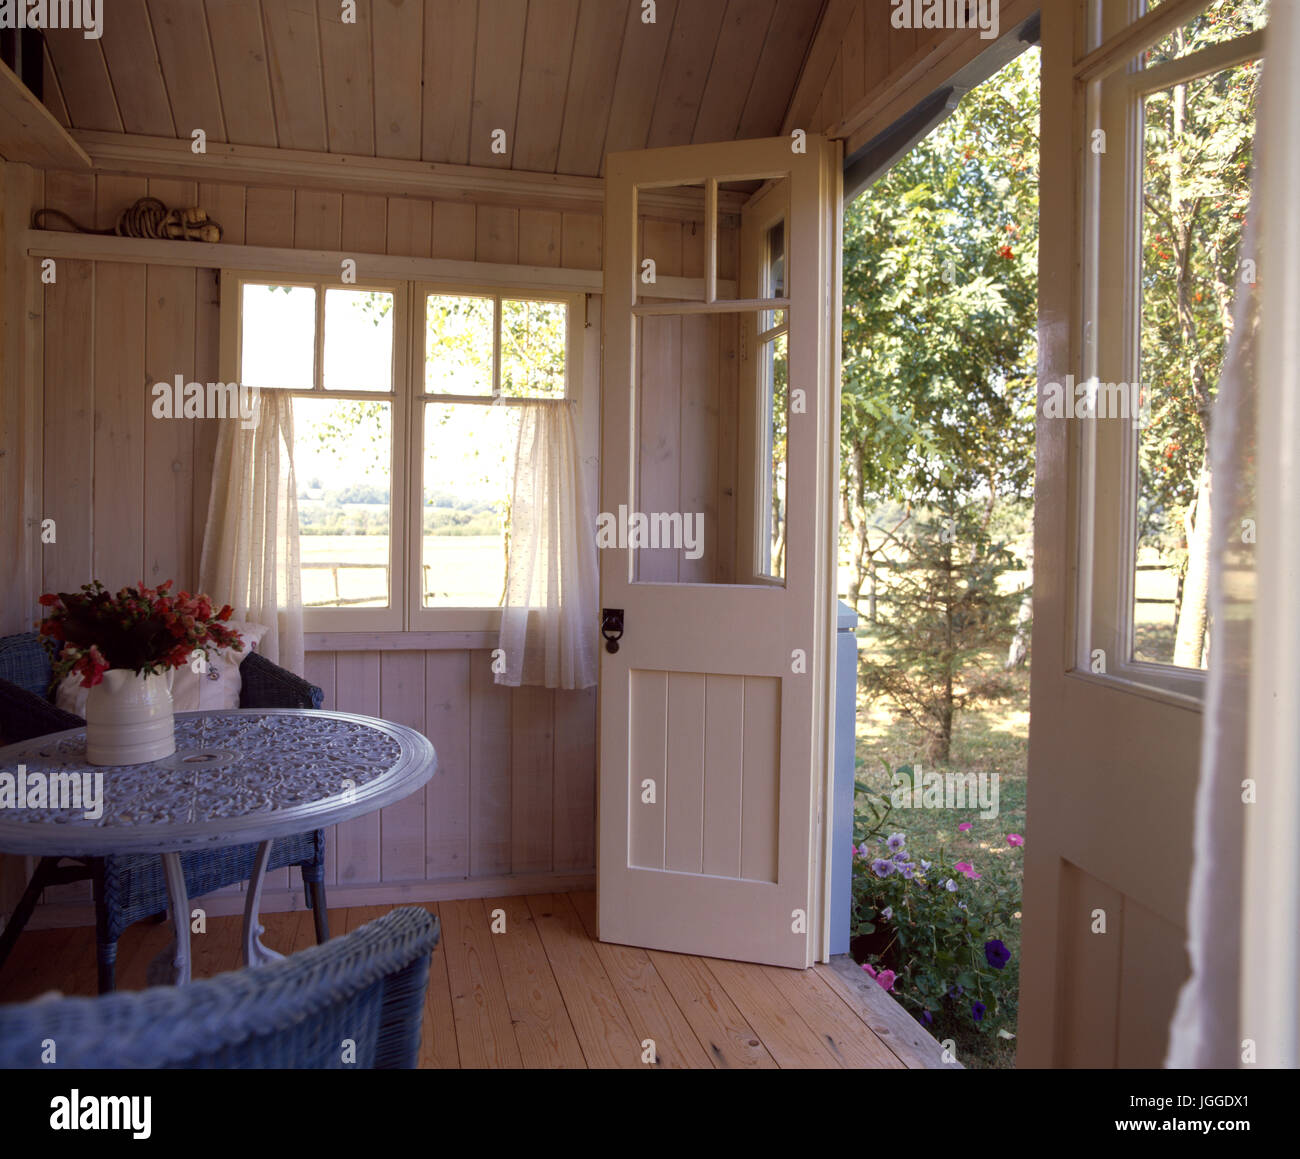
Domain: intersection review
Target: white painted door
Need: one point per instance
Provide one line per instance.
(720, 431)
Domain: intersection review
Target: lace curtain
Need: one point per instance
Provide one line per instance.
(1241, 925)
(250, 543)
(548, 619)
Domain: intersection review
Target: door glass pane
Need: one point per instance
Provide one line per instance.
(710, 477)
(1196, 191)
(278, 336)
(358, 340)
(342, 451)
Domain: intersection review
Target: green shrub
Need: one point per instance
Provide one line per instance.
(933, 931)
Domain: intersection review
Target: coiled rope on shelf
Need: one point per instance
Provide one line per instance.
(149, 218)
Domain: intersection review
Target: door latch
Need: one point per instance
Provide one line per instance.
(611, 627)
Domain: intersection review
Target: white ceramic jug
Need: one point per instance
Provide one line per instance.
(129, 718)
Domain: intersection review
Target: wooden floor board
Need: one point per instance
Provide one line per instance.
(649, 1004)
(785, 1034)
(485, 1035)
(598, 1017)
(543, 992)
(543, 1029)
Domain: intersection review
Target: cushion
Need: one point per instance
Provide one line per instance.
(191, 691)
(24, 662)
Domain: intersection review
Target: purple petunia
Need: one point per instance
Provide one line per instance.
(908, 873)
(895, 841)
(887, 913)
(996, 954)
(950, 885)
(882, 868)
(977, 1010)
(927, 1017)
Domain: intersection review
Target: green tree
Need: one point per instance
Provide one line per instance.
(946, 609)
(940, 317)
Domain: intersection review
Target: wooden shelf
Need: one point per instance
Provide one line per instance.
(29, 134)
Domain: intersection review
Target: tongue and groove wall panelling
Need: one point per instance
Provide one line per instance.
(69, 414)
(117, 499)
(398, 41)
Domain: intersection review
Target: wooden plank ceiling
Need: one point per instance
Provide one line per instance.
(568, 80)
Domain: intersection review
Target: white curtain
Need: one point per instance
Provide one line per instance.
(250, 544)
(548, 620)
(1245, 813)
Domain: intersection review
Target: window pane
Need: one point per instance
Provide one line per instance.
(1196, 190)
(776, 401)
(532, 348)
(358, 340)
(279, 336)
(343, 463)
(458, 344)
(468, 466)
(1222, 21)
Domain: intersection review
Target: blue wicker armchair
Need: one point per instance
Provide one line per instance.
(130, 887)
(367, 986)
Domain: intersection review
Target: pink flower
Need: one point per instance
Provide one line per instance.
(1015, 839)
(886, 979)
(965, 867)
(964, 827)
(855, 850)
(868, 967)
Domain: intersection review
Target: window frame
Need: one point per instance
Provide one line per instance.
(480, 619)
(1110, 317)
(405, 611)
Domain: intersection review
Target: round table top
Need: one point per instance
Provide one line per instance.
(237, 776)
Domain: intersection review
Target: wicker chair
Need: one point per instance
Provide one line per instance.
(367, 987)
(130, 887)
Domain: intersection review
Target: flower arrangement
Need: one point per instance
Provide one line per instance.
(930, 931)
(147, 630)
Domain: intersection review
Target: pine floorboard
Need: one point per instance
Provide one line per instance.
(523, 982)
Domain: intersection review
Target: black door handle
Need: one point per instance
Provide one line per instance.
(611, 627)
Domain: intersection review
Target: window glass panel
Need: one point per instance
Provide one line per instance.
(532, 348)
(468, 467)
(358, 340)
(343, 467)
(1196, 190)
(278, 336)
(458, 344)
(1221, 21)
(775, 388)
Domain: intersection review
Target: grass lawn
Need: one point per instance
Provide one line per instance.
(991, 739)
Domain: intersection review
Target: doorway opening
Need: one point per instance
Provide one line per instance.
(939, 385)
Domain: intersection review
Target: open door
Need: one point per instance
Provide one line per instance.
(720, 439)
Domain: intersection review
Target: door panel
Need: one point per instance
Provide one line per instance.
(714, 713)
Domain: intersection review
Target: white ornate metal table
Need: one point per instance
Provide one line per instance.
(237, 777)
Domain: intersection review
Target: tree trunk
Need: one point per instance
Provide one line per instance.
(1192, 615)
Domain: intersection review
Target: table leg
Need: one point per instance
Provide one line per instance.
(256, 954)
(177, 970)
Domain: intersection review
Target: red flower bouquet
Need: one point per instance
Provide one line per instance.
(148, 630)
